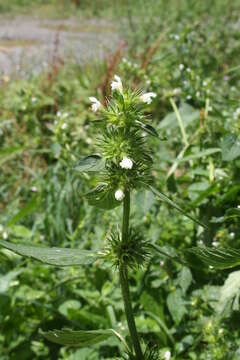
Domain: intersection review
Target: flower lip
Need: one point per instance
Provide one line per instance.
(147, 98)
(117, 84)
(126, 163)
(96, 105)
(119, 195)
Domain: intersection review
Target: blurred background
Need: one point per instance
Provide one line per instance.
(53, 56)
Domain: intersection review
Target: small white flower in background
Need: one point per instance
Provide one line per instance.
(177, 91)
(238, 206)
(232, 235)
(34, 189)
(96, 105)
(5, 235)
(126, 163)
(215, 243)
(181, 67)
(167, 355)
(64, 126)
(119, 195)
(117, 84)
(34, 99)
(147, 98)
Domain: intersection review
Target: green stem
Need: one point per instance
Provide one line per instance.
(124, 282)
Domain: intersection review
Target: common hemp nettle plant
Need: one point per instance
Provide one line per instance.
(123, 166)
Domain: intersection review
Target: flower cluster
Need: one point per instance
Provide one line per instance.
(122, 143)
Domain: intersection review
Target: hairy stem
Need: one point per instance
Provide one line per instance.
(123, 274)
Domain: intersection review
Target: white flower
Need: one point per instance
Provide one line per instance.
(64, 126)
(117, 84)
(147, 98)
(5, 235)
(181, 67)
(167, 355)
(96, 105)
(126, 163)
(119, 195)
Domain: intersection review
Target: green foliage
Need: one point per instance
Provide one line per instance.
(53, 256)
(78, 338)
(192, 313)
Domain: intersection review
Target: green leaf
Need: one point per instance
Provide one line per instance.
(5, 280)
(90, 163)
(230, 147)
(229, 291)
(78, 338)
(187, 113)
(165, 199)
(184, 279)
(148, 128)
(52, 256)
(219, 258)
(69, 305)
(102, 197)
(176, 305)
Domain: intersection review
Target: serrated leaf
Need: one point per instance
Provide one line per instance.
(52, 256)
(102, 197)
(230, 147)
(79, 338)
(148, 128)
(90, 163)
(165, 199)
(219, 258)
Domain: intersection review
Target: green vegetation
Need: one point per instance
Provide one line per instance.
(186, 297)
